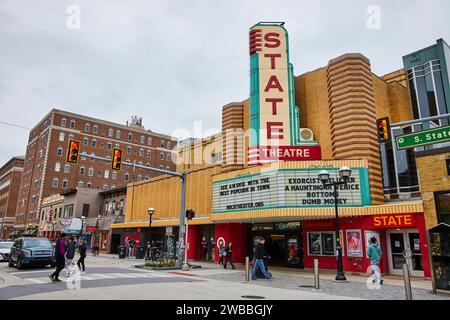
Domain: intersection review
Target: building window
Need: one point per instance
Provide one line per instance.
(117, 146)
(41, 152)
(63, 122)
(95, 129)
(147, 164)
(94, 143)
(55, 183)
(85, 142)
(162, 144)
(89, 184)
(66, 168)
(68, 211)
(442, 200)
(167, 168)
(130, 137)
(161, 156)
(114, 175)
(61, 136)
(321, 243)
(142, 139)
(141, 152)
(105, 187)
(139, 177)
(161, 167)
(92, 157)
(57, 167)
(110, 132)
(90, 171)
(129, 150)
(127, 177)
(168, 156)
(82, 169)
(106, 174)
(83, 157)
(87, 127)
(168, 144)
(72, 124)
(149, 153)
(59, 152)
(65, 183)
(109, 146)
(80, 184)
(149, 141)
(118, 134)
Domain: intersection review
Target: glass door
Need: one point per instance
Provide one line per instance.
(397, 247)
(415, 262)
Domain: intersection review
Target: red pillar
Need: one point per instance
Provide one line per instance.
(194, 242)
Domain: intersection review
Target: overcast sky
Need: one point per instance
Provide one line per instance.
(176, 62)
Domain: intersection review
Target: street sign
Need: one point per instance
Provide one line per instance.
(422, 138)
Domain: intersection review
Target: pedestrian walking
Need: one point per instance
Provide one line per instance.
(260, 253)
(127, 246)
(374, 254)
(82, 249)
(221, 252)
(70, 254)
(229, 257)
(132, 244)
(60, 251)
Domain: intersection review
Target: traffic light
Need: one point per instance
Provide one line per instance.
(73, 151)
(117, 159)
(384, 129)
(190, 214)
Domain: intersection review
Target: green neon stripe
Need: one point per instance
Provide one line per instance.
(254, 100)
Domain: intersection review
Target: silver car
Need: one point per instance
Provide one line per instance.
(5, 249)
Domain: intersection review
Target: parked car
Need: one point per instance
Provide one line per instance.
(5, 248)
(32, 251)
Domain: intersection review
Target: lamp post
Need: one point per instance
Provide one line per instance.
(83, 218)
(150, 212)
(324, 176)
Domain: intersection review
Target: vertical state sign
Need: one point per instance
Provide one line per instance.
(274, 116)
(270, 105)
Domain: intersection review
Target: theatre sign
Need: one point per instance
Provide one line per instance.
(288, 188)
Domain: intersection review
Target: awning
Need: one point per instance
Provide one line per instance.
(440, 228)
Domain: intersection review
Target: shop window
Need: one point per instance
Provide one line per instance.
(321, 243)
(68, 211)
(447, 162)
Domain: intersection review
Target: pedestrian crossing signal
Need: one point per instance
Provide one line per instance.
(117, 159)
(384, 129)
(190, 214)
(73, 151)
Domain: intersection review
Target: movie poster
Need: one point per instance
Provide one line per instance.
(368, 235)
(354, 243)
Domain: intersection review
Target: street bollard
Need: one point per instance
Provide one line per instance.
(407, 282)
(247, 269)
(316, 274)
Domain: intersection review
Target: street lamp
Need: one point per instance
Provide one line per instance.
(150, 212)
(83, 218)
(324, 176)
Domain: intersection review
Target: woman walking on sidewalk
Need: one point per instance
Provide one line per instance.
(221, 251)
(80, 262)
(229, 257)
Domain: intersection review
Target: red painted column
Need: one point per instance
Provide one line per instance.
(420, 221)
(194, 242)
(237, 234)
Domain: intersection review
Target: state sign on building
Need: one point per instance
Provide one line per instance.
(274, 116)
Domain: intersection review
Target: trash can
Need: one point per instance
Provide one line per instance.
(140, 252)
(122, 252)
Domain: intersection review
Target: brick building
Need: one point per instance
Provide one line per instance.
(46, 171)
(10, 176)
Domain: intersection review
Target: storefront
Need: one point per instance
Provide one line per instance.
(284, 242)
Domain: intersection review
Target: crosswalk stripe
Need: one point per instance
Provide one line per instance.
(101, 275)
(38, 281)
(122, 275)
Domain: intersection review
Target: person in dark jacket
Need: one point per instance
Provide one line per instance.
(60, 251)
(260, 253)
(80, 262)
(229, 257)
(70, 254)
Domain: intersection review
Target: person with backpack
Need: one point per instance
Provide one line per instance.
(82, 249)
(259, 254)
(228, 257)
(374, 254)
(70, 254)
(221, 252)
(60, 251)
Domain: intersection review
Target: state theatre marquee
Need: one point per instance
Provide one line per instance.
(288, 188)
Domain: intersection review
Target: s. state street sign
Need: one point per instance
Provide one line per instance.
(422, 138)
